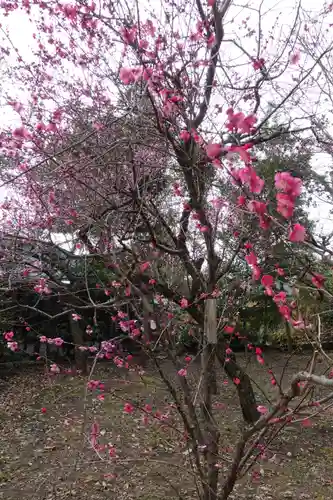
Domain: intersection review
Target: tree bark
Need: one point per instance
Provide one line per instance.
(245, 391)
(210, 333)
(289, 337)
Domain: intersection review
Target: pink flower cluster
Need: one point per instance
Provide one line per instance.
(238, 122)
(252, 261)
(13, 346)
(42, 288)
(8, 336)
(54, 368)
(95, 384)
(248, 176)
(55, 341)
(290, 187)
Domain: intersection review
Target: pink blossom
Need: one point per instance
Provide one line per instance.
(240, 122)
(228, 351)
(118, 361)
(13, 346)
(8, 336)
(241, 150)
(280, 271)
(286, 205)
(248, 176)
(98, 126)
(188, 359)
(43, 339)
(229, 329)
(298, 324)
(40, 127)
(262, 409)
(129, 34)
(219, 406)
(184, 135)
(112, 452)
(287, 183)
(295, 57)
(41, 287)
(306, 423)
(54, 368)
(144, 266)
(210, 40)
(251, 259)
(218, 202)
(297, 234)
(236, 381)
(182, 372)
(318, 280)
(241, 200)
(256, 272)
(21, 133)
(17, 106)
(258, 63)
(93, 384)
(285, 312)
(76, 317)
(128, 408)
(280, 297)
(184, 303)
(70, 11)
(58, 341)
(130, 75)
(258, 207)
(213, 150)
(264, 222)
(267, 280)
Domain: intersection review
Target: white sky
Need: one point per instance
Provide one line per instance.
(21, 30)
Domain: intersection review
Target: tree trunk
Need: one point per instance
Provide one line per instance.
(81, 359)
(289, 337)
(245, 391)
(210, 333)
(209, 385)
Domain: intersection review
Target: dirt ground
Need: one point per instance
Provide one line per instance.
(48, 456)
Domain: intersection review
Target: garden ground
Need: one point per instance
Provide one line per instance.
(48, 456)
